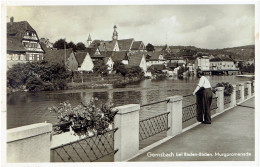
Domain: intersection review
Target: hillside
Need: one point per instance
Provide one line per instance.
(238, 53)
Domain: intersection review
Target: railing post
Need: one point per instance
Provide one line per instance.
(174, 106)
(242, 92)
(220, 99)
(126, 138)
(253, 83)
(30, 143)
(233, 96)
(248, 85)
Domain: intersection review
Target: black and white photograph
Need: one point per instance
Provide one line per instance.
(127, 82)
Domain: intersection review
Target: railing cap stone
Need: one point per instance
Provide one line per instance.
(220, 88)
(28, 131)
(127, 108)
(174, 98)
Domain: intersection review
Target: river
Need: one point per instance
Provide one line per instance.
(24, 108)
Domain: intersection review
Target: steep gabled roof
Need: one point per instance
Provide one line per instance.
(125, 44)
(19, 28)
(135, 59)
(136, 45)
(119, 56)
(80, 56)
(154, 55)
(57, 56)
(15, 34)
(15, 44)
(103, 45)
(107, 53)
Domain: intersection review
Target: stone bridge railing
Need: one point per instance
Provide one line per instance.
(32, 143)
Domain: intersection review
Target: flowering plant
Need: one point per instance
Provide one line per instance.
(228, 88)
(84, 117)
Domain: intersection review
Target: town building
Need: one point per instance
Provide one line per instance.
(23, 44)
(109, 63)
(138, 46)
(155, 58)
(117, 44)
(95, 54)
(202, 63)
(46, 42)
(138, 59)
(64, 57)
(85, 62)
(89, 41)
(224, 65)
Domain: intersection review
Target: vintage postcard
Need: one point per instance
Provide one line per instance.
(129, 82)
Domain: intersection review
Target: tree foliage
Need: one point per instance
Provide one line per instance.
(60, 44)
(149, 47)
(72, 45)
(37, 76)
(250, 68)
(80, 46)
(100, 68)
(120, 68)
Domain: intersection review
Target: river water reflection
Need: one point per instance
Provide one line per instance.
(27, 108)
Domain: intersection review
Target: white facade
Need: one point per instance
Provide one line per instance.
(143, 64)
(159, 61)
(125, 62)
(223, 65)
(110, 64)
(87, 64)
(202, 63)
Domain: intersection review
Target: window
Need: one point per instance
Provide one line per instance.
(31, 57)
(38, 57)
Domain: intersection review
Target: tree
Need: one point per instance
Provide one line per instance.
(37, 76)
(100, 67)
(60, 44)
(119, 68)
(149, 47)
(72, 45)
(80, 46)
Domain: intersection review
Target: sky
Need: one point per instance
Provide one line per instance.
(203, 26)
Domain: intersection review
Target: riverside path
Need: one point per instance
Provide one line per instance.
(230, 137)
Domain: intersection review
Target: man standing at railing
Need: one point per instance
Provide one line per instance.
(204, 99)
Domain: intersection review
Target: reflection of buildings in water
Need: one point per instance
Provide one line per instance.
(102, 97)
(126, 97)
(146, 83)
(110, 96)
(144, 96)
(85, 97)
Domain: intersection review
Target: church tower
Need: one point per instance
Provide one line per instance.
(89, 41)
(115, 34)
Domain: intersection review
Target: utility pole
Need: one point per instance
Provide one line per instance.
(65, 53)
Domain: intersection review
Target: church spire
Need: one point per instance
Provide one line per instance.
(89, 41)
(115, 34)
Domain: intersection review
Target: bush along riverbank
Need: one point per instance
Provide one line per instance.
(37, 76)
(45, 76)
